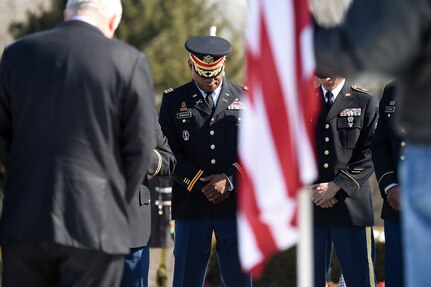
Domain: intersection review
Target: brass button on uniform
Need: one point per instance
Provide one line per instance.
(212, 133)
(213, 161)
(325, 165)
(212, 119)
(403, 157)
(403, 144)
(326, 139)
(326, 152)
(212, 146)
(326, 126)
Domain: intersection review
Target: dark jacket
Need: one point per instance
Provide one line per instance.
(386, 147)
(343, 139)
(76, 137)
(394, 39)
(162, 163)
(203, 145)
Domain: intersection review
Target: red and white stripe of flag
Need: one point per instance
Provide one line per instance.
(275, 147)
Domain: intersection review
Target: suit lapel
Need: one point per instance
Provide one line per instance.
(343, 100)
(224, 100)
(198, 99)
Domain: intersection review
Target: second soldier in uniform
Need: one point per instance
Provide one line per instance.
(343, 211)
(387, 153)
(200, 120)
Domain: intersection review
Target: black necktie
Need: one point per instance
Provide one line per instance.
(328, 97)
(210, 101)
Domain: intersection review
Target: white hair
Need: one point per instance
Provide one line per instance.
(105, 7)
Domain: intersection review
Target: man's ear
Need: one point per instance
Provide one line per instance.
(113, 23)
(189, 62)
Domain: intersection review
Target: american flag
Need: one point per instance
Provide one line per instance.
(275, 148)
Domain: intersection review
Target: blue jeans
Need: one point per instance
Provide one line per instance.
(416, 214)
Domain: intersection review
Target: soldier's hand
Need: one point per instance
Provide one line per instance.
(216, 189)
(322, 192)
(329, 203)
(394, 197)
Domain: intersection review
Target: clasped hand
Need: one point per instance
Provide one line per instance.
(323, 194)
(216, 189)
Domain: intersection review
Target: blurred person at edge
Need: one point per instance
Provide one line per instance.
(76, 138)
(393, 37)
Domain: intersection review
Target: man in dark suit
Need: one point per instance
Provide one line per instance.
(76, 137)
(343, 211)
(386, 150)
(200, 120)
(137, 262)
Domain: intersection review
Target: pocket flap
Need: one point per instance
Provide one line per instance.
(144, 195)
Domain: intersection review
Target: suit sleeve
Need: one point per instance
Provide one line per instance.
(386, 172)
(359, 45)
(5, 113)
(185, 173)
(137, 120)
(163, 160)
(360, 166)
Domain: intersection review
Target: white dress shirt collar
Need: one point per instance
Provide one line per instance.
(84, 19)
(335, 91)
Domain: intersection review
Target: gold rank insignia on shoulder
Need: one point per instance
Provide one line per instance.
(167, 91)
(362, 90)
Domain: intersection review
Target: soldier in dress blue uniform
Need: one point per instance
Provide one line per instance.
(387, 153)
(343, 211)
(200, 120)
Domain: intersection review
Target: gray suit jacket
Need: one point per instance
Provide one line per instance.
(76, 137)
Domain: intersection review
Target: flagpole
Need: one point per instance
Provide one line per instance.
(305, 267)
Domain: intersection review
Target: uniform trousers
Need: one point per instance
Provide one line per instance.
(394, 274)
(416, 214)
(136, 267)
(47, 264)
(192, 250)
(355, 252)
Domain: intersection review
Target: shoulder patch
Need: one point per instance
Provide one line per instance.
(245, 88)
(362, 90)
(167, 91)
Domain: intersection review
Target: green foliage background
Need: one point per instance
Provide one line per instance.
(159, 28)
